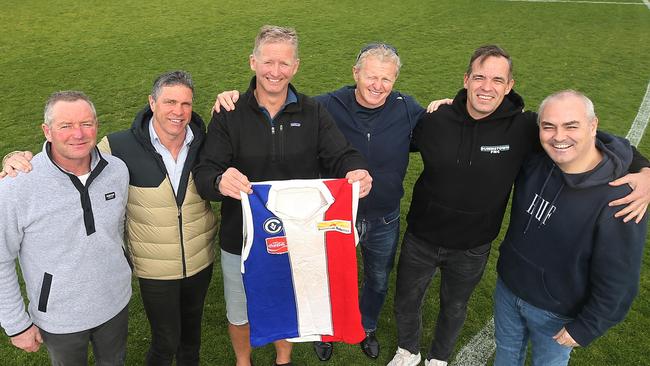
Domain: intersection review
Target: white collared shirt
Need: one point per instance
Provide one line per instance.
(174, 167)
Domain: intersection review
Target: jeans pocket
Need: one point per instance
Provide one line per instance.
(390, 218)
(557, 316)
(479, 251)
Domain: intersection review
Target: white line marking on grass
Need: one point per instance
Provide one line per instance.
(581, 2)
(641, 121)
(481, 347)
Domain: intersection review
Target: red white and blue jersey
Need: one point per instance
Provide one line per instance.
(299, 261)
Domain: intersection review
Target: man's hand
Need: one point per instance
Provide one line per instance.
(364, 179)
(232, 182)
(18, 161)
(433, 106)
(226, 100)
(564, 338)
(29, 340)
(637, 201)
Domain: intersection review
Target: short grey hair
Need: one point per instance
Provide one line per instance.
(65, 96)
(172, 78)
(276, 34)
(590, 112)
(382, 51)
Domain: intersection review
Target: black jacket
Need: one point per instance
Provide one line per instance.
(565, 252)
(469, 167)
(301, 143)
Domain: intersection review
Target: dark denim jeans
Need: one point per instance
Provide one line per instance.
(378, 239)
(460, 272)
(175, 309)
(516, 322)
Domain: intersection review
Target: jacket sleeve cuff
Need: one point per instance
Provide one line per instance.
(578, 331)
(14, 333)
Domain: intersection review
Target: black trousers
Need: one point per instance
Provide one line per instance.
(175, 309)
(460, 272)
(108, 341)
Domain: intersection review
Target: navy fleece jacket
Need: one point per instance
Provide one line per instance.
(384, 143)
(564, 251)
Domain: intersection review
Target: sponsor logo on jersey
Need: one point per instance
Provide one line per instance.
(277, 245)
(495, 149)
(342, 226)
(272, 225)
(295, 124)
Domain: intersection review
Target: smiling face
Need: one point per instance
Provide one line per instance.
(72, 133)
(172, 111)
(568, 135)
(375, 79)
(487, 85)
(274, 64)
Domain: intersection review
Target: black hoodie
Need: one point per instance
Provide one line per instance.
(469, 168)
(565, 252)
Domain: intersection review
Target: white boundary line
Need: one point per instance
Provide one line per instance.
(479, 349)
(646, 2)
(641, 121)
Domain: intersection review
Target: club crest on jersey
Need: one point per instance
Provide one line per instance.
(272, 225)
(342, 226)
(276, 245)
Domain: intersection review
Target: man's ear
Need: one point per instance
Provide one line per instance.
(47, 131)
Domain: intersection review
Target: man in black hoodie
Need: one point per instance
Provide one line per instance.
(568, 269)
(472, 151)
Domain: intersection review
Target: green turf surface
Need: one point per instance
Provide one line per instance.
(113, 50)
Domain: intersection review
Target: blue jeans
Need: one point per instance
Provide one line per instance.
(516, 322)
(460, 272)
(378, 239)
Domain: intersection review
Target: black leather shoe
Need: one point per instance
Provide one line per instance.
(370, 345)
(323, 350)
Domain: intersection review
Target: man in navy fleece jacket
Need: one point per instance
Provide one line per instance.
(568, 269)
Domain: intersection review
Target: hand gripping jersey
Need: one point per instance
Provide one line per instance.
(299, 261)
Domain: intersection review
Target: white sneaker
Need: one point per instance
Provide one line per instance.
(434, 362)
(405, 358)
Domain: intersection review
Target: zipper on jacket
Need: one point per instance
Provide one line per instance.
(180, 231)
(272, 142)
(180, 219)
(368, 145)
(281, 142)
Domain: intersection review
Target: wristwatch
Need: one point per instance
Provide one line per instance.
(217, 180)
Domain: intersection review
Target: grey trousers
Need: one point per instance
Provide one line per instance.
(108, 341)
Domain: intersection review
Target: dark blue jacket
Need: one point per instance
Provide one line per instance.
(564, 251)
(384, 143)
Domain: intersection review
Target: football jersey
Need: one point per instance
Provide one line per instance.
(299, 261)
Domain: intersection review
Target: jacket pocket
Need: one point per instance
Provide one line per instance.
(525, 278)
(46, 285)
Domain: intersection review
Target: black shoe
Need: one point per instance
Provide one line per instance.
(284, 364)
(370, 345)
(323, 350)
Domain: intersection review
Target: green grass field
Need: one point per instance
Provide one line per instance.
(113, 50)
